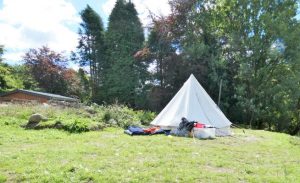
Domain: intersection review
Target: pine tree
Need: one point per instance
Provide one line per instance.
(124, 38)
(91, 48)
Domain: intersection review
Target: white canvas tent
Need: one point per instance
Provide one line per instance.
(193, 103)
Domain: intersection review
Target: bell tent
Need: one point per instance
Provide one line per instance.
(193, 103)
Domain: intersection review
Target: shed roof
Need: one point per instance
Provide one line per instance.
(41, 94)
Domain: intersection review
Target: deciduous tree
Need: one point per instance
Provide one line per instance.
(47, 67)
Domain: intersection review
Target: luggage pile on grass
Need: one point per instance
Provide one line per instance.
(186, 129)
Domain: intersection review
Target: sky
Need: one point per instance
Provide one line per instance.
(26, 24)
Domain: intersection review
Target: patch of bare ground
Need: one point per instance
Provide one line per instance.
(3, 105)
(11, 176)
(218, 169)
(252, 138)
(240, 139)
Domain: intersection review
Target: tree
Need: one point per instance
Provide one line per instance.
(1, 52)
(197, 31)
(8, 80)
(47, 68)
(91, 48)
(124, 37)
(85, 86)
(257, 35)
(253, 46)
(23, 74)
(73, 82)
(160, 53)
(181, 44)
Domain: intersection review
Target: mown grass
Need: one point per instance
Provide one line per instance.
(52, 155)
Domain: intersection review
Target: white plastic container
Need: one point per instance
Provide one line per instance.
(204, 133)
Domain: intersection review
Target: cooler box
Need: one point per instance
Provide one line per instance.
(204, 133)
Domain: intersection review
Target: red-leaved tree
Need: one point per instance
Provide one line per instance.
(48, 68)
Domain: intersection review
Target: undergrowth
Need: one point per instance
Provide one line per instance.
(75, 120)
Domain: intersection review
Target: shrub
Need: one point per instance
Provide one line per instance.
(75, 120)
(78, 126)
(146, 117)
(121, 116)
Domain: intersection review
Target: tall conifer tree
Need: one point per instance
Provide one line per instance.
(91, 48)
(124, 38)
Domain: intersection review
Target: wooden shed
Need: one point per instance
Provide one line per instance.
(28, 95)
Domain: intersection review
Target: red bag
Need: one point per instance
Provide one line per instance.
(199, 125)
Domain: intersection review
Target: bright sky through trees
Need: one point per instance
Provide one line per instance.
(33, 23)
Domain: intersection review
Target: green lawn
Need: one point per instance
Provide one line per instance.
(110, 156)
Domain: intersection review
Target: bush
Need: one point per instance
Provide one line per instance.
(78, 126)
(120, 116)
(146, 117)
(75, 120)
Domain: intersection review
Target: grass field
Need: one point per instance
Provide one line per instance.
(52, 155)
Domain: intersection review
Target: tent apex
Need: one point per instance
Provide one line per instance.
(192, 77)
